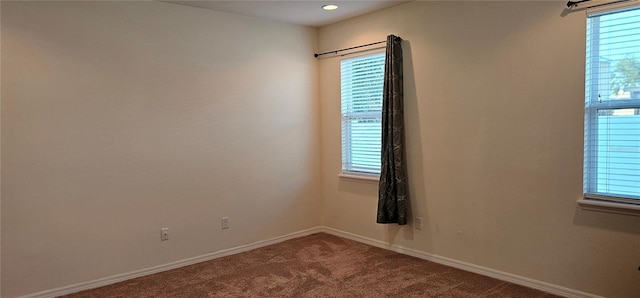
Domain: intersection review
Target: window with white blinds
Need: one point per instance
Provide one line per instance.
(612, 107)
(362, 80)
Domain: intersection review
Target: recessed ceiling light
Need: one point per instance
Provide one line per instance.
(330, 7)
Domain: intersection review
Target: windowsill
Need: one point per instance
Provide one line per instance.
(610, 207)
(366, 178)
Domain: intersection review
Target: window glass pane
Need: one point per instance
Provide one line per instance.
(613, 52)
(362, 80)
(617, 155)
(612, 109)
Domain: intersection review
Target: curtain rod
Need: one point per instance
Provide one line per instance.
(572, 4)
(351, 48)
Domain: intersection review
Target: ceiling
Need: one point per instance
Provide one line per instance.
(301, 12)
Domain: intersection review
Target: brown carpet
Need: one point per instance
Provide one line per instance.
(319, 265)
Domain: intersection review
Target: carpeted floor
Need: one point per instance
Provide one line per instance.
(319, 265)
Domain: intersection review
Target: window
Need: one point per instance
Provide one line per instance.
(362, 80)
(612, 107)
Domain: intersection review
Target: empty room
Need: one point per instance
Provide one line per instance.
(295, 149)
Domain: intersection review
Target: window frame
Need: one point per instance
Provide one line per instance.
(367, 177)
(592, 200)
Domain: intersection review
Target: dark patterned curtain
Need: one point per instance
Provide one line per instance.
(392, 194)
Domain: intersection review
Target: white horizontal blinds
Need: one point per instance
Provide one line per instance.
(612, 115)
(362, 80)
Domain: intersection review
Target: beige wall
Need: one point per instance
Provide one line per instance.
(122, 118)
(493, 108)
(0, 156)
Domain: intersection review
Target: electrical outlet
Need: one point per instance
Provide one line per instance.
(224, 223)
(418, 223)
(164, 234)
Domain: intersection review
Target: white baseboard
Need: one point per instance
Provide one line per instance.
(512, 278)
(173, 265)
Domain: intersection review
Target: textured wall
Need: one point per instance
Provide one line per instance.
(494, 113)
(122, 118)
